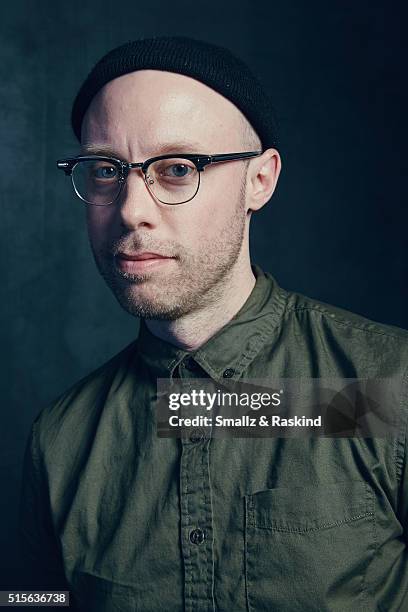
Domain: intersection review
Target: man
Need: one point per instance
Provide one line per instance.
(127, 520)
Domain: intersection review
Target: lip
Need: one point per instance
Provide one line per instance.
(141, 256)
(139, 262)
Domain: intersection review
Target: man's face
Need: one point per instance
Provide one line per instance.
(141, 115)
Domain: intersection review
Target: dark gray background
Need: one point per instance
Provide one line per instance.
(335, 230)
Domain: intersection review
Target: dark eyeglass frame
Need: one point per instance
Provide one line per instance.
(199, 160)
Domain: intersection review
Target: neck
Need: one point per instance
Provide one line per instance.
(192, 330)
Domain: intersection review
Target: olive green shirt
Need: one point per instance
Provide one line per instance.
(129, 521)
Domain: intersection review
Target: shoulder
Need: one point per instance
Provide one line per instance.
(329, 338)
(77, 409)
(303, 307)
(345, 341)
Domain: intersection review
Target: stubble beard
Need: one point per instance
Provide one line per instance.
(193, 281)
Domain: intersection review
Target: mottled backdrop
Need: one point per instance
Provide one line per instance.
(335, 229)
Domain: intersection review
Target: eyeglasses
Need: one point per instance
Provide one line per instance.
(171, 179)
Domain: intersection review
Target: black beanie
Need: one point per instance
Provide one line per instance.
(212, 65)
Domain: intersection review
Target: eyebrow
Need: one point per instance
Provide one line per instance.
(160, 149)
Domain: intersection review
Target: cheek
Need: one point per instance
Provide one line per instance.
(203, 220)
(214, 209)
(219, 198)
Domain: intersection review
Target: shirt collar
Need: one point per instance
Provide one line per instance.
(234, 346)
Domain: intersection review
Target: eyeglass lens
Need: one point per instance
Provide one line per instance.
(171, 181)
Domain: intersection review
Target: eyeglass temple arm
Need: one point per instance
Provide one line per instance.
(230, 156)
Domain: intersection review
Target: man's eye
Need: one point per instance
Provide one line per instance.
(104, 172)
(177, 170)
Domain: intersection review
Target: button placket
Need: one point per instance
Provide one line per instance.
(196, 522)
(197, 435)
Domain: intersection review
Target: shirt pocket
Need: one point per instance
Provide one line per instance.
(308, 548)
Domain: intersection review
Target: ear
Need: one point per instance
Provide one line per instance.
(263, 174)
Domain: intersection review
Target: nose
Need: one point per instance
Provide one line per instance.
(136, 206)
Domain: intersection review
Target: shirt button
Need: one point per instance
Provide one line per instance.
(197, 536)
(197, 435)
(229, 373)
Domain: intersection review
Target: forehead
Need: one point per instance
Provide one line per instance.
(142, 109)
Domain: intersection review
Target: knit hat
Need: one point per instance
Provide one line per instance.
(214, 66)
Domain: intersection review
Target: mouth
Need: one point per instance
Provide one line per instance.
(140, 256)
(139, 262)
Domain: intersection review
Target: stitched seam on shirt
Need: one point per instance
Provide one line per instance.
(204, 499)
(208, 511)
(370, 504)
(199, 598)
(187, 560)
(174, 363)
(320, 528)
(248, 357)
(264, 330)
(247, 523)
(250, 522)
(251, 511)
(334, 317)
(401, 442)
(212, 533)
(267, 329)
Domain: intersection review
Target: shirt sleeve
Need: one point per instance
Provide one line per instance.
(40, 556)
(402, 467)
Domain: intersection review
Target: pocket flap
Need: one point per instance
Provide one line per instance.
(311, 507)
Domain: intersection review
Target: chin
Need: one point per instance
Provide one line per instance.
(148, 307)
